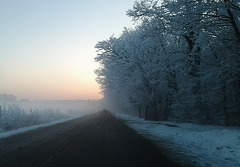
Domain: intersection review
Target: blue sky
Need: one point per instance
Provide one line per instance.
(47, 46)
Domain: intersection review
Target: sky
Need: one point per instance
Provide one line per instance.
(47, 46)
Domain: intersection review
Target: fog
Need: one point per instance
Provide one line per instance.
(71, 107)
(15, 114)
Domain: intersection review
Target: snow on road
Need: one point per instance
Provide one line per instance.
(203, 145)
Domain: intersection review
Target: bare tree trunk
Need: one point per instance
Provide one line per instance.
(234, 24)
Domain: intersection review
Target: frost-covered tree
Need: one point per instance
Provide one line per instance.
(180, 62)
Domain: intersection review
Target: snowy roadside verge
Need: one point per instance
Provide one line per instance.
(33, 127)
(202, 145)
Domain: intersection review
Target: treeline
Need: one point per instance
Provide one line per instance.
(7, 98)
(181, 62)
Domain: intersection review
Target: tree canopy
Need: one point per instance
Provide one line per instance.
(181, 62)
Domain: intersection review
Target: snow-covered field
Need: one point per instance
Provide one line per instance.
(200, 145)
(13, 116)
(25, 129)
(20, 116)
(16, 119)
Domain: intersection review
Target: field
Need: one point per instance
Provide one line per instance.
(13, 116)
(18, 114)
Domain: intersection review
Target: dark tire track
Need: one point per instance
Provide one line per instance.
(98, 140)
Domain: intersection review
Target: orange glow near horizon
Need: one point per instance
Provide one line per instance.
(53, 86)
(69, 79)
(57, 92)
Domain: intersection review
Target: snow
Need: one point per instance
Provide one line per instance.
(33, 127)
(201, 145)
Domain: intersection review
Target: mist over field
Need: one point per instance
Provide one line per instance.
(15, 114)
(66, 106)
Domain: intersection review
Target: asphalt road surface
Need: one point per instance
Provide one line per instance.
(96, 140)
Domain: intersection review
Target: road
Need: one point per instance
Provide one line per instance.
(98, 139)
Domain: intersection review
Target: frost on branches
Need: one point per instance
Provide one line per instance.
(181, 62)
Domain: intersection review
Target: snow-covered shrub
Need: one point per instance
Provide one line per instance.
(13, 117)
